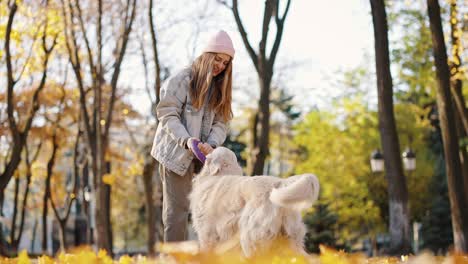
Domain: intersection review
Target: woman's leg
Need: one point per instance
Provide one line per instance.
(176, 189)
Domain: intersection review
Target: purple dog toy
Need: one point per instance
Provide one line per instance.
(196, 151)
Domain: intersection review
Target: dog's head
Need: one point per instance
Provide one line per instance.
(222, 161)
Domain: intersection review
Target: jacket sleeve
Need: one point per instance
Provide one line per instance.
(218, 131)
(170, 107)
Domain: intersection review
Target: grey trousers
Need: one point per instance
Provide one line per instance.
(176, 189)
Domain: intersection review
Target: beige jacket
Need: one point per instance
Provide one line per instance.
(178, 121)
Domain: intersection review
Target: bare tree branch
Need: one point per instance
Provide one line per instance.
(72, 48)
(35, 100)
(250, 50)
(157, 66)
(11, 80)
(85, 36)
(28, 57)
(268, 13)
(145, 69)
(279, 32)
(121, 51)
(19, 137)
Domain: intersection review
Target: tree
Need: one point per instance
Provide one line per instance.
(320, 224)
(455, 71)
(97, 118)
(339, 158)
(20, 125)
(457, 195)
(152, 205)
(456, 74)
(19, 132)
(264, 65)
(436, 230)
(57, 134)
(15, 238)
(283, 115)
(397, 189)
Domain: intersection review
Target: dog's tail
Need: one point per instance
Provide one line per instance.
(297, 193)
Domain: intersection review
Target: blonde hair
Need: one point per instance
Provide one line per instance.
(202, 77)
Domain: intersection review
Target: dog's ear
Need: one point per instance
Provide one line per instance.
(213, 168)
(208, 159)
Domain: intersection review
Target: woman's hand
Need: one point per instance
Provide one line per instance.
(205, 148)
(190, 143)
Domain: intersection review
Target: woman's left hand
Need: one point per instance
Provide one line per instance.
(205, 148)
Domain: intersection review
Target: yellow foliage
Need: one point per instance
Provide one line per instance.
(278, 253)
(187, 252)
(135, 169)
(45, 260)
(108, 178)
(23, 258)
(38, 169)
(125, 260)
(331, 256)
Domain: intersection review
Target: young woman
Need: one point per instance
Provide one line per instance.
(195, 104)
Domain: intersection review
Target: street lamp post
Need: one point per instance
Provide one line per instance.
(89, 199)
(377, 161)
(409, 159)
(409, 164)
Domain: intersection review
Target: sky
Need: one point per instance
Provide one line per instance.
(320, 39)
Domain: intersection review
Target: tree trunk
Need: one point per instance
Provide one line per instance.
(33, 237)
(62, 226)
(261, 150)
(397, 189)
(458, 201)
(150, 166)
(253, 123)
(23, 207)
(150, 205)
(461, 115)
(45, 211)
(20, 136)
(264, 65)
(47, 192)
(15, 214)
(103, 209)
(462, 150)
(15, 157)
(98, 123)
(4, 250)
(456, 61)
(103, 224)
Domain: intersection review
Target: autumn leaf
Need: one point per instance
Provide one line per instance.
(108, 178)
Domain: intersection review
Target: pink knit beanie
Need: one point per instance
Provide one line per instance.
(220, 43)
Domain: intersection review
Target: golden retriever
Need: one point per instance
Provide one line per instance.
(252, 210)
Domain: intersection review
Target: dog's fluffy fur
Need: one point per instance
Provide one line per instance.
(253, 210)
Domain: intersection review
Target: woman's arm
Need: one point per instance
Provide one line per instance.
(169, 109)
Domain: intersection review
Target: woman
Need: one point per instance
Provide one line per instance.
(195, 104)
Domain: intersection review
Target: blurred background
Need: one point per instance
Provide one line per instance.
(80, 81)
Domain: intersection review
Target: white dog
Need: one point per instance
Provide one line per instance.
(255, 210)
